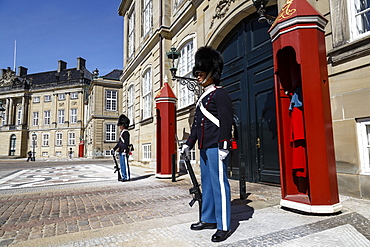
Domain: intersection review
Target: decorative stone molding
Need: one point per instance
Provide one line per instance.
(222, 8)
(8, 77)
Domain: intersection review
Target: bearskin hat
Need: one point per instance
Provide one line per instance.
(123, 121)
(207, 59)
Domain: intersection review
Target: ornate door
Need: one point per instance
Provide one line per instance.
(248, 77)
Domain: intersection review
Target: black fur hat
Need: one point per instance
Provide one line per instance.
(123, 121)
(207, 59)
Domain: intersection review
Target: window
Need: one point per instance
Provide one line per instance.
(359, 17)
(45, 140)
(45, 154)
(131, 35)
(12, 149)
(74, 95)
(186, 64)
(147, 16)
(71, 138)
(73, 115)
(19, 116)
(110, 133)
(61, 96)
(147, 95)
(363, 127)
(61, 116)
(3, 118)
(35, 118)
(147, 151)
(47, 98)
(130, 103)
(46, 117)
(58, 153)
(36, 99)
(59, 139)
(111, 100)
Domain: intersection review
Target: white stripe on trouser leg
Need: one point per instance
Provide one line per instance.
(126, 164)
(223, 194)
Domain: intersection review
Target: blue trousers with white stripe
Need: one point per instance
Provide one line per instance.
(124, 166)
(216, 198)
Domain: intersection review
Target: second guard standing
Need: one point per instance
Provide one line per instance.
(123, 146)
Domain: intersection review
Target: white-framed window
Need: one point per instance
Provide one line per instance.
(74, 115)
(110, 133)
(45, 154)
(359, 18)
(35, 118)
(147, 16)
(59, 139)
(186, 64)
(47, 98)
(74, 95)
(45, 139)
(58, 153)
(36, 99)
(147, 94)
(19, 115)
(71, 138)
(61, 96)
(363, 130)
(130, 103)
(61, 116)
(131, 34)
(111, 100)
(147, 151)
(47, 117)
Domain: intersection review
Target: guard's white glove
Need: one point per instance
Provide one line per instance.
(184, 150)
(222, 153)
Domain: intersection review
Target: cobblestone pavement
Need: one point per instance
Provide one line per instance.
(85, 205)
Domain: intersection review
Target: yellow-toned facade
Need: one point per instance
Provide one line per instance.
(44, 112)
(101, 133)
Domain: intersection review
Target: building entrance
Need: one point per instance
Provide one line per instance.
(249, 79)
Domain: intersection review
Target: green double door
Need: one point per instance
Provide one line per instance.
(249, 79)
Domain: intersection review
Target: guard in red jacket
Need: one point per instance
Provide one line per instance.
(212, 129)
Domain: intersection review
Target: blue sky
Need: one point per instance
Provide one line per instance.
(47, 31)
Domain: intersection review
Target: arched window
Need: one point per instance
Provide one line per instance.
(12, 145)
(186, 64)
(130, 104)
(147, 94)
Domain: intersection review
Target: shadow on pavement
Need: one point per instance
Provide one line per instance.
(141, 177)
(240, 211)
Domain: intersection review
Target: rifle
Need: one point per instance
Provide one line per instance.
(116, 167)
(195, 190)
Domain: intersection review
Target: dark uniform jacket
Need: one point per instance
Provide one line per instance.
(218, 103)
(123, 142)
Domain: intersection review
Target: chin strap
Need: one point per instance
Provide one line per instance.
(207, 77)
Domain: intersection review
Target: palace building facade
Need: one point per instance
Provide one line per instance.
(153, 27)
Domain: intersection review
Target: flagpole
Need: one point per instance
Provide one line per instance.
(15, 54)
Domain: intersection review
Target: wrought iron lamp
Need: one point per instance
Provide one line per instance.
(191, 83)
(260, 5)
